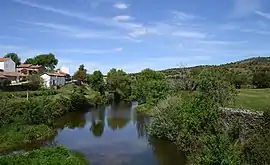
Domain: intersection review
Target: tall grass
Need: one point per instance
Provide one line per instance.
(51, 156)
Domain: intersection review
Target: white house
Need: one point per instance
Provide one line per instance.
(53, 79)
(7, 65)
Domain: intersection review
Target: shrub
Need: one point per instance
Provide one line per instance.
(14, 136)
(145, 109)
(53, 156)
(218, 149)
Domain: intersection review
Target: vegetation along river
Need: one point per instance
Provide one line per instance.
(115, 136)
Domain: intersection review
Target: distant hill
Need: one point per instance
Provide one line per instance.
(246, 64)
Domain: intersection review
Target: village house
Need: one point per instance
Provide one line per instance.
(53, 79)
(8, 70)
(29, 69)
(7, 65)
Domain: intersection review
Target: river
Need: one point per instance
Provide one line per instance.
(115, 136)
(111, 136)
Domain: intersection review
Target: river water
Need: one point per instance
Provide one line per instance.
(114, 136)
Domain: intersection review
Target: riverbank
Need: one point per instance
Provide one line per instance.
(26, 120)
(51, 156)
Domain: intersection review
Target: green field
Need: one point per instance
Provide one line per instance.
(253, 99)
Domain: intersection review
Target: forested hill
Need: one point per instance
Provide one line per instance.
(250, 64)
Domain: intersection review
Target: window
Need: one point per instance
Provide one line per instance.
(6, 65)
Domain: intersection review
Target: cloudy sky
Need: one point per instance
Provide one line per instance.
(136, 34)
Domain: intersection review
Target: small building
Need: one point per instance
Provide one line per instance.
(54, 79)
(7, 65)
(29, 69)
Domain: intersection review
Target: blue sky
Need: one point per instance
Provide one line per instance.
(136, 34)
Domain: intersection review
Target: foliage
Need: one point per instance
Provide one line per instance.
(38, 110)
(47, 60)
(4, 83)
(119, 84)
(257, 147)
(53, 156)
(218, 149)
(80, 75)
(35, 82)
(96, 80)
(14, 136)
(193, 122)
(14, 57)
(261, 78)
(211, 84)
(145, 109)
(150, 87)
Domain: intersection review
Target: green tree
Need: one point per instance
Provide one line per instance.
(14, 57)
(80, 75)
(97, 81)
(35, 82)
(119, 84)
(47, 60)
(261, 78)
(150, 87)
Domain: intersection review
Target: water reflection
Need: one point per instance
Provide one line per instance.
(71, 120)
(166, 153)
(98, 123)
(141, 125)
(118, 117)
(106, 135)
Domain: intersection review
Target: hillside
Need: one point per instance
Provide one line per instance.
(246, 64)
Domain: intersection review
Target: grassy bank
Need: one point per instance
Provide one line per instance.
(253, 99)
(15, 136)
(23, 121)
(50, 156)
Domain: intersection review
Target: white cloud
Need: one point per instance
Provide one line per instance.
(89, 51)
(229, 26)
(245, 7)
(183, 16)
(10, 47)
(118, 49)
(220, 42)
(265, 15)
(80, 33)
(190, 34)
(137, 32)
(121, 6)
(81, 16)
(122, 18)
(11, 37)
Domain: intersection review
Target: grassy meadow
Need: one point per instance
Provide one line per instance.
(253, 99)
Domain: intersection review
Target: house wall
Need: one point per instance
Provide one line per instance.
(9, 66)
(2, 65)
(46, 80)
(50, 81)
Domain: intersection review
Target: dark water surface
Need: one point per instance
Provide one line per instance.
(114, 136)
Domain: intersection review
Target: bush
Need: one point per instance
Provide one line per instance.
(257, 147)
(14, 136)
(184, 121)
(52, 156)
(218, 149)
(38, 110)
(145, 109)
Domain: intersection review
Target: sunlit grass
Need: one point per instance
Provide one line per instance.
(253, 99)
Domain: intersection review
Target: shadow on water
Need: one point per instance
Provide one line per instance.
(114, 135)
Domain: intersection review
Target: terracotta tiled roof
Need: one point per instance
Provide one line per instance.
(24, 66)
(36, 66)
(2, 76)
(11, 74)
(56, 74)
(3, 59)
